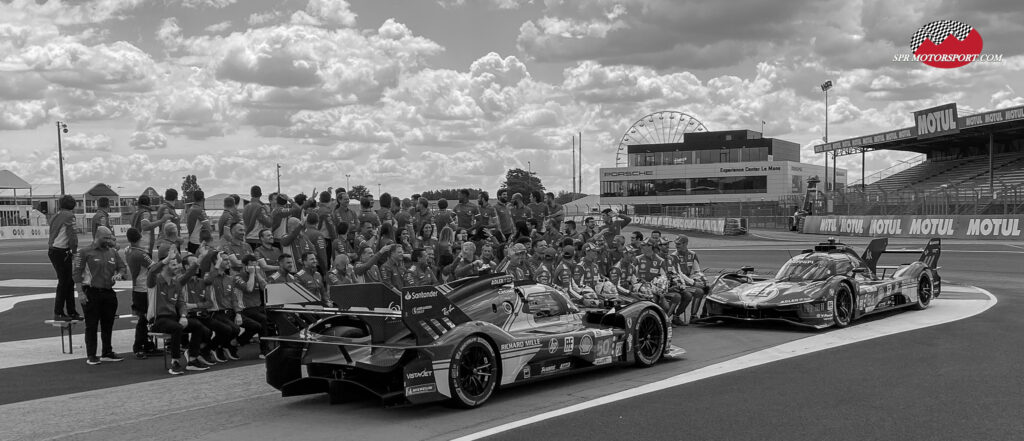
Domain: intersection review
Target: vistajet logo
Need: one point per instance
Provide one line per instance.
(947, 44)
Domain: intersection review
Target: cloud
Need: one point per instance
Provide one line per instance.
(219, 27)
(24, 114)
(215, 4)
(500, 4)
(148, 141)
(84, 142)
(330, 13)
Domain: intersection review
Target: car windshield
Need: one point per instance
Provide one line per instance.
(805, 270)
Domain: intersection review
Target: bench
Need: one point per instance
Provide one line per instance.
(153, 336)
(69, 326)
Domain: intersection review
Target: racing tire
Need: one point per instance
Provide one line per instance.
(473, 376)
(842, 307)
(924, 293)
(650, 338)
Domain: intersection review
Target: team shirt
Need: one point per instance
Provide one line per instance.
(466, 215)
(100, 219)
(256, 217)
(97, 266)
(587, 274)
(197, 222)
(138, 261)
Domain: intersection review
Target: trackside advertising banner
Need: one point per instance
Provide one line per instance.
(707, 225)
(953, 227)
(7, 233)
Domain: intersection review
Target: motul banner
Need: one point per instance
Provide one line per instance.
(953, 227)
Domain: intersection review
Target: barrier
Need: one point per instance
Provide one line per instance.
(8, 233)
(952, 227)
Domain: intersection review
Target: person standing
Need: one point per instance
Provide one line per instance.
(255, 216)
(443, 218)
(139, 261)
(95, 271)
(613, 224)
(63, 244)
(519, 210)
(506, 226)
(555, 210)
(102, 216)
(467, 215)
(229, 217)
(538, 209)
(197, 221)
(167, 209)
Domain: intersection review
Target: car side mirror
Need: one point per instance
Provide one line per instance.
(747, 269)
(860, 270)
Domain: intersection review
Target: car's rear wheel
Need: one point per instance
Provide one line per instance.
(474, 372)
(924, 293)
(650, 338)
(842, 307)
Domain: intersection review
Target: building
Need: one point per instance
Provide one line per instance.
(732, 166)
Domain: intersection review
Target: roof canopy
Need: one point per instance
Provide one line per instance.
(9, 180)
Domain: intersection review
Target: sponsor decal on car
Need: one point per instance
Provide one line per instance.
(420, 295)
(553, 346)
(598, 333)
(507, 306)
(586, 344)
(629, 341)
(604, 347)
(602, 360)
(618, 348)
(422, 389)
(533, 342)
(790, 301)
(421, 309)
(502, 280)
(425, 373)
(526, 372)
(831, 305)
(569, 344)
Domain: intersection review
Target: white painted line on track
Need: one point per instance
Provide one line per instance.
(25, 263)
(21, 252)
(941, 311)
(44, 283)
(1015, 246)
(8, 303)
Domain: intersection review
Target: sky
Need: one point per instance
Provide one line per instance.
(432, 94)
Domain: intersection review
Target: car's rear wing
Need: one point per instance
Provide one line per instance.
(929, 255)
(423, 310)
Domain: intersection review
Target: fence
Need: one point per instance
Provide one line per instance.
(946, 200)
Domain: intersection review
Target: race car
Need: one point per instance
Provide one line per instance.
(829, 285)
(458, 341)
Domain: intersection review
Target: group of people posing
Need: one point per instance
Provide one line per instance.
(204, 280)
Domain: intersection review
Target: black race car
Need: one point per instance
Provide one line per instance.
(458, 341)
(829, 285)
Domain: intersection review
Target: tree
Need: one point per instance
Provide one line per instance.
(518, 180)
(188, 187)
(357, 192)
(567, 196)
(451, 194)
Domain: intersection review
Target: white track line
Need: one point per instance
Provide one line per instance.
(940, 312)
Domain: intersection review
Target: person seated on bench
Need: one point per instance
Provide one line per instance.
(226, 305)
(167, 311)
(254, 317)
(199, 302)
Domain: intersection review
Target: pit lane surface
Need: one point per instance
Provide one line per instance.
(872, 384)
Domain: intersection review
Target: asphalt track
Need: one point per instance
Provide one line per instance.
(957, 380)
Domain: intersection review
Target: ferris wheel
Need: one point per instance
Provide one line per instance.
(662, 127)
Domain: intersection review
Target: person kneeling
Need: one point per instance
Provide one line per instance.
(167, 312)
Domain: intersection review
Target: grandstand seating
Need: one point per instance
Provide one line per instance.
(931, 176)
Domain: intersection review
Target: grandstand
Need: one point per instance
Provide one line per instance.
(975, 166)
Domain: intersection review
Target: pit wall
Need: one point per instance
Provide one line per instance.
(1007, 227)
(718, 226)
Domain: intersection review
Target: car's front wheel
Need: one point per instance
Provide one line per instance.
(650, 338)
(842, 307)
(924, 293)
(474, 372)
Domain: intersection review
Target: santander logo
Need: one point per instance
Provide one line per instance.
(946, 44)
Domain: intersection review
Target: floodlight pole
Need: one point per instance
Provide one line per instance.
(61, 127)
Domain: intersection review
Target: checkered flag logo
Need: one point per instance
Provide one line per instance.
(937, 31)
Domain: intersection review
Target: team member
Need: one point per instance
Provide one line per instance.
(169, 241)
(325, 223)
(196, 220)
(95, 271)
(538, 209)
(443, 217)
(613, 224)
(366, 213)
(139, 262)
(199, 301)
(256, 217)
(366, 269)
(649, 267)
(519, 210)
(286, 270)
(571, 232)
(167, 209)
(488, 218)
(516, 265)
(342, 272)
(544, 271)
(226, 304)
(421, 214)
(467, 215)
(343, 214)
(562, 275)
(384, 212)
(587, 273)
(342, 244)
(167, 311)
(403, 217)
(392, 272)
(420, 273)
(426, 237)
(254, 317)
(235, 247)
(690, 279)
(63, 244)
(589, 229)
(467, 265)
(554, 210)
(310, 278)
(102, 216)
(506, 225)
(230, 216)
(267, 255)
(143, 221)
(622, 274)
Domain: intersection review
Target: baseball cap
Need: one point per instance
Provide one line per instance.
(518, 248)
(606, 211)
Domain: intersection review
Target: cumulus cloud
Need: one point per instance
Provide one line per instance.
(219, 27)
(216, 4)
(27, 114)
(150, 140)
(85, 142)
